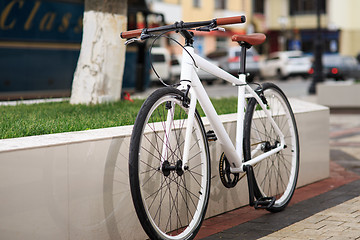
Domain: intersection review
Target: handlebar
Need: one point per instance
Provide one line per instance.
(185, 26)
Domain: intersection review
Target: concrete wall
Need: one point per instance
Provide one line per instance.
(75, 185)
(338, 94)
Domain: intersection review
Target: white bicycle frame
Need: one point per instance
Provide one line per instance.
(197, 93)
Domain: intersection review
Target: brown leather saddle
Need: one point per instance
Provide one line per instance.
(252, 39)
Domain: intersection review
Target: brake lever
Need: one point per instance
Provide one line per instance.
(142, 37)
(218, 29)
(203, 29)
(210, 29)
(131, 40)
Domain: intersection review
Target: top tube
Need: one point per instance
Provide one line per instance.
(185, 26)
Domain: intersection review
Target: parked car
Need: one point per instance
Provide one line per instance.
(285, 64)
(161, 61)
(229, 60)
(339, 67)
(176, 70)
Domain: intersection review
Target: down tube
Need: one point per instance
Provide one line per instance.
(216, 124)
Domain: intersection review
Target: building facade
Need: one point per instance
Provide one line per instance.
(344, 17)
(289, 25)
(39, 47)
(292, 25)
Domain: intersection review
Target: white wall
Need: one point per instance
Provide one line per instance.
(344, 14)
(338, 94)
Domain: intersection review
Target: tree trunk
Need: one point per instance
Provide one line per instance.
(98, 75)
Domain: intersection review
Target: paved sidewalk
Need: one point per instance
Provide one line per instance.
(329, 209)
(339, 222)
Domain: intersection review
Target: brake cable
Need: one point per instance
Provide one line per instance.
(145, 35)
(170, 38)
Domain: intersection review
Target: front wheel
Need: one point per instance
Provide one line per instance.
(170, 201)
(276, 175)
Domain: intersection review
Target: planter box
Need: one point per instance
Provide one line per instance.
(339, 94)
(75, 185)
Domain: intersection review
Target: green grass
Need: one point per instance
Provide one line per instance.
(46, 118)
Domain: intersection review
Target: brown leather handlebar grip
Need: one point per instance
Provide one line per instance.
(230, 20)
(131, 33)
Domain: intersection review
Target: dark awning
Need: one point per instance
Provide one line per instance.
(138, 6)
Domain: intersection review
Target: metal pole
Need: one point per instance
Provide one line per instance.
(318, 67)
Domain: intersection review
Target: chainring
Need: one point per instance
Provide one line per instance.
(228, 179)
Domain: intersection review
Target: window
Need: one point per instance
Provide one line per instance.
(274, 58)
(197, 3)
(220, 4)
(158, 57)
(258, 6)
(221, 43)
(306, 6)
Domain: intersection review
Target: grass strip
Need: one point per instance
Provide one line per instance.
(47, 118)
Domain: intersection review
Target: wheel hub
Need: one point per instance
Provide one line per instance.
(266, 146)
(167, 168)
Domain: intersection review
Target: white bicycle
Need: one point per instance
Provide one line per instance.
(169, 164)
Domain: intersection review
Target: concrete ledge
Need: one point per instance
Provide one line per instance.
(339, 94)
(75, 185)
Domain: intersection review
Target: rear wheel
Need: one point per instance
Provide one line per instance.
(170, 201)
(276, 176)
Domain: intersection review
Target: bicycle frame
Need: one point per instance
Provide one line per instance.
(197, 93)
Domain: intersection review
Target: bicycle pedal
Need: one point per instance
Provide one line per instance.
(210, 135)
(264, 203)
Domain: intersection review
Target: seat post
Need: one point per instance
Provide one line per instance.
(244, 47)
(242, 59)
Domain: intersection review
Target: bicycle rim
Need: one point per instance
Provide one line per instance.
(170, 205)
(276, 176)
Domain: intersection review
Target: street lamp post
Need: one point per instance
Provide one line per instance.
(283, 21)
(318, 67)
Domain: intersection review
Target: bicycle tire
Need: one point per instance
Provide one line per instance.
(172, 206)
(275, 176)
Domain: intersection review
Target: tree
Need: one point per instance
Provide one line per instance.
(98, 75)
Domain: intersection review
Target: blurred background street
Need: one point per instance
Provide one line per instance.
(40, 43)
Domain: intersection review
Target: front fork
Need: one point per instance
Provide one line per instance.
(189, 128)
(188, 132)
